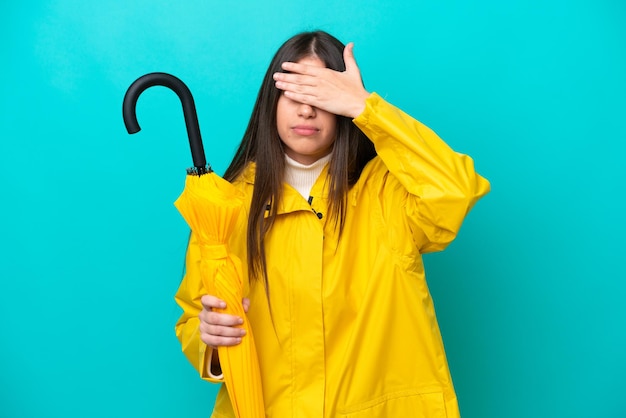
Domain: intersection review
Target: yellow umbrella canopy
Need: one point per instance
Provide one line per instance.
(211, 205)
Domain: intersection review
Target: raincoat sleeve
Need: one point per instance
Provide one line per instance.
(440, 184)
(188, 326)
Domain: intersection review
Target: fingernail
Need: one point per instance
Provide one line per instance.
(243, 332)
(240, 321)
(238, 340)
(222, 305)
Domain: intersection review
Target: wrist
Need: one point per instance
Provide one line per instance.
(359, 104)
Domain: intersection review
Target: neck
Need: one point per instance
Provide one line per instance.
(302, 177)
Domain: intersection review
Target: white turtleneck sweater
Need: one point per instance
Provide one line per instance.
(302, 177)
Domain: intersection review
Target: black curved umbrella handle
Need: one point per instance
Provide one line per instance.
(189, 110)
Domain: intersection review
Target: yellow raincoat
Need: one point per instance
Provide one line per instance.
(355, 328)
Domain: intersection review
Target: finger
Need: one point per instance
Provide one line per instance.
(348, 58)
(217, 335)
(297, 92)
(220, 331)
(211, 302)
(216, 318)
(303, 98)
(214, 341)
(290, 89)
(298, 68)
(246, 304)
(296, 79)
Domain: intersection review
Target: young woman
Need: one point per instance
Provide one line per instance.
(344, 194)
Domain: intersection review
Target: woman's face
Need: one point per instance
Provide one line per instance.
(307, 133)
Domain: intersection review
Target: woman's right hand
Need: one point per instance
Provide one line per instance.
(218, 329)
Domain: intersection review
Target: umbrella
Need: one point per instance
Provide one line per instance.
(210, 205)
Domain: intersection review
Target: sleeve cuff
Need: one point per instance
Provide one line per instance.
(205, 367)
(371, 102)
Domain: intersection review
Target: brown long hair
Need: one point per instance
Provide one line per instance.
(261, 144)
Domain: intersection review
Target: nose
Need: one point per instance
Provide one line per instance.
(306, 111)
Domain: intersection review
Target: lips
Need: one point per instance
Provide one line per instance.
(305, 130)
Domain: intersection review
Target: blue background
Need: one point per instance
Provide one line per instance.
(529, 297)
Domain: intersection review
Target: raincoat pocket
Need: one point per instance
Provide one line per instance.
(399, 404)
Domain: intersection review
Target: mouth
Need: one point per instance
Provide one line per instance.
(305, 130)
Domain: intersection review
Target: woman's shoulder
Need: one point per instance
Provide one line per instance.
(377, 181)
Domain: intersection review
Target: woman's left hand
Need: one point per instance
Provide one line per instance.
(341, 93)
